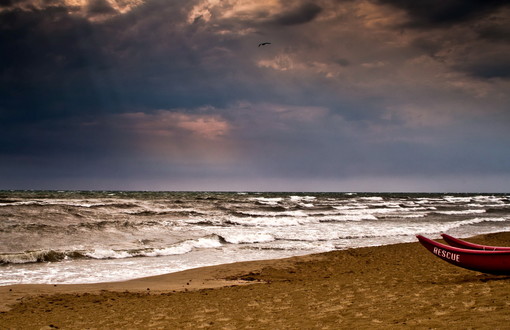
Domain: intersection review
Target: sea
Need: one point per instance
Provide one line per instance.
(59, 237)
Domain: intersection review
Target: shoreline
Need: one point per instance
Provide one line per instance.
(208, 277)
(392, 285)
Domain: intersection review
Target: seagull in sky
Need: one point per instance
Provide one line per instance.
(264, 43)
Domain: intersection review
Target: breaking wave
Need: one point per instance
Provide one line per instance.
(184, 247)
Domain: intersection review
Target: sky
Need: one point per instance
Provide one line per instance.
(350, 95)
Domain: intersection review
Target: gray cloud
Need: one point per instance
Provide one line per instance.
(437, 13)
(100, 7)
(487, 69)
(300, 15)
(496, 33)
(6, 3)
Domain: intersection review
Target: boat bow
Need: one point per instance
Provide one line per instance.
(490, 262)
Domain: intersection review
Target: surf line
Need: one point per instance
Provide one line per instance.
(447, 255)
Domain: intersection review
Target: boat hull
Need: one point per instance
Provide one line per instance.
(490, 262)
(467, 245)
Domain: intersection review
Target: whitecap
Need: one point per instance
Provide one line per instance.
(244, 238)
(460, 212)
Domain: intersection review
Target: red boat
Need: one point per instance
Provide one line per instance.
(467, 245)
(490, 262)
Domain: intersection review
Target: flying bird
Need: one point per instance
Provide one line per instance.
(264, 43)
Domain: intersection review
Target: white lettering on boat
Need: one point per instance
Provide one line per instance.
(446, 254)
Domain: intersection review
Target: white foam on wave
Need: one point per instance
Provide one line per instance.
(394, 205)
(374, 211)
(270, 221)
(480, 220)
(347, 217)
(107, 254)
(350, 207)
(426, 200)
(296, 213)
(308, 233)
(247, 238)
(289, 221)
(268, 201)
(489, 199)
(24, 203)
(185, 247)
(373, 198)
(457, 199)
(461, 212)
(391, 229)
(89, 203)
(414, 215)
(447, 226)
(302, 198)
(307, 205)
(180, 248)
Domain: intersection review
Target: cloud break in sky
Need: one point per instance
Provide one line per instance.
(350, 95)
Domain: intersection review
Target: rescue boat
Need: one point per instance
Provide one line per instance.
(490, 262)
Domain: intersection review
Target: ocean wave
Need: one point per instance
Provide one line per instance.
(431, 228)
(303, 201)
(126, 205)
(67, 204)
(410, 228)
(297, 213)
(268, 221)
(8, 202)
(499, 210)
(122, 225)
(39, 256)
(101, 225)
(267, 201)
(212, 241)
(372, 198)
(457, 199)
(301, 198)
(247, 238)
(414, 215)
(25, 203)
(350, 207)
(185, 213)
(347, 217)
(461, 212)
(290, 221)
(480, 220)
(29, 227)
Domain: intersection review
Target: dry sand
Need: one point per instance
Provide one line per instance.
(397, 286)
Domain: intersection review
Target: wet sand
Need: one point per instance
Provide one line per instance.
(396, 286)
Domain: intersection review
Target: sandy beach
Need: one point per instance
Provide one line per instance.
(395, 286)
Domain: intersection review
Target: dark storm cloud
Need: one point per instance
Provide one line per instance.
(62, 67)
(301, 15)
(470, 37)
(343, 62)
(499, 68)
(46, 57)
(6, 3)
(496, 33)
(437, 13)
(56, 63)
(96, 7)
